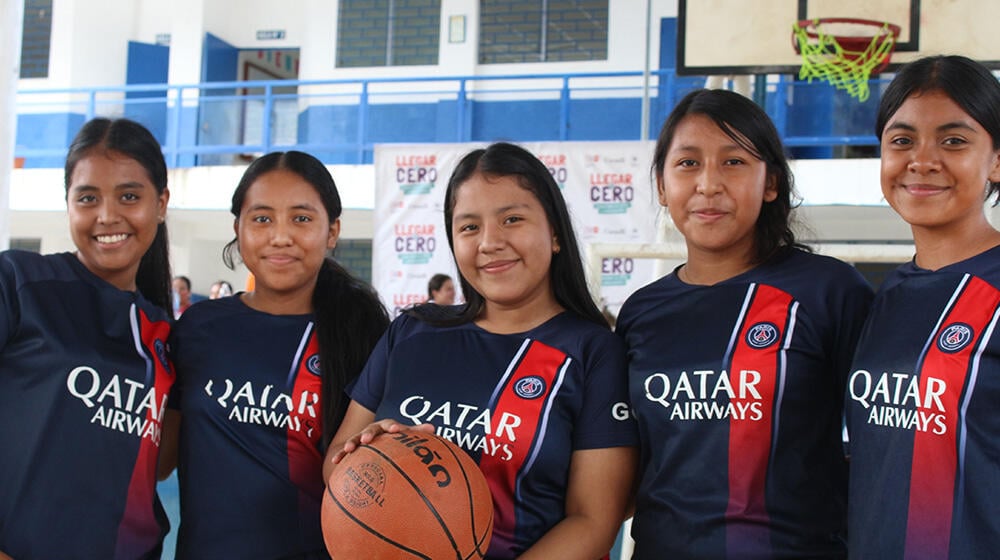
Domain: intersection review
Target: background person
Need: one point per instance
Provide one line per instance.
(182, 295)
(220, 289)
(441, 290)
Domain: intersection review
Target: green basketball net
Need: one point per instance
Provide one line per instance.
(845, 52)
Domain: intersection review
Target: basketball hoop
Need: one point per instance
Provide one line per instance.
(845, 52)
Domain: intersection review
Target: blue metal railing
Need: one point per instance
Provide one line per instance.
(207, 122)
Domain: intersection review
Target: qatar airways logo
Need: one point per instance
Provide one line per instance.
(119, 403)
(471, 427)
(707, 394)
(897, 400)
(267, 406)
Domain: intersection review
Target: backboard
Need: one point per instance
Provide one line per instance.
(754, 36)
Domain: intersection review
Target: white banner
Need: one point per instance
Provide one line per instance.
(607, 187)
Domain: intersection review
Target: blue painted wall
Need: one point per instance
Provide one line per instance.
(219, 120)
(148, 64)
(47, 131)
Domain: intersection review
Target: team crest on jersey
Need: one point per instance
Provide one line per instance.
(312, 364)
(530, 387)
(762, 335)
(161, 353)
(954, 337)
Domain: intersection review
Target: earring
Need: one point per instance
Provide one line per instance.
(161, 219)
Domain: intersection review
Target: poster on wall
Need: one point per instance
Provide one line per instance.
(607, 187)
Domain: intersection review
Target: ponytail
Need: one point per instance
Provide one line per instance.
(350, 319)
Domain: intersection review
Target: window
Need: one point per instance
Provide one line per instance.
(388, 32)
(32, 244)
(542, 30)
(36, 34)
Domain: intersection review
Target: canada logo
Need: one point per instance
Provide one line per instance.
(530, 387)
(954, 337)
(762, 335)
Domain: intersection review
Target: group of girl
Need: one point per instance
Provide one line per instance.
(713, 415)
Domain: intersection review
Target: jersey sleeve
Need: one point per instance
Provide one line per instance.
(369, 388)
(605, 419)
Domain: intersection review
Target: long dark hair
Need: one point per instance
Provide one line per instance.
(566, 271)
(136, 142)
(750, 127)
(350, 318)
(969, 84)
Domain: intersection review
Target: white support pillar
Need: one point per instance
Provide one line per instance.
(12, 16)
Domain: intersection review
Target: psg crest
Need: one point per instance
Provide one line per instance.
(313, 364)
(529, 387)
(161, 353)
(954, 337)
(762, 335)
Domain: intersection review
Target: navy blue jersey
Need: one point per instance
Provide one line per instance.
(738, 392)
(249, 463)
(520, 404)
(83, 382)
(924, 416)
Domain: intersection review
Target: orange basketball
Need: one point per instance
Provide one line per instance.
(407, 495)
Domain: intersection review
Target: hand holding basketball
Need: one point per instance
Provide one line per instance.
(407, 493)
(373, 430)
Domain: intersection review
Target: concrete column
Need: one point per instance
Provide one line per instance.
(12, 16)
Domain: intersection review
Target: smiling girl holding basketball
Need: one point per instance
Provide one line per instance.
(738, 359)
(82, 343)
(923, 395)
(261, 375)
(526, 374)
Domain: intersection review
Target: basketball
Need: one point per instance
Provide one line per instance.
(407, 495)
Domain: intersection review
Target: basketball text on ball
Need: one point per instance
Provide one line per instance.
(367, 485)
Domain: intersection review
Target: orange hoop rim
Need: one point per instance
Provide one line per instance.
(849, 42)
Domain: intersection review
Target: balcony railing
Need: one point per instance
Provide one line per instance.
(342, 120)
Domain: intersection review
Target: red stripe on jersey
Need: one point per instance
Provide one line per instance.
(139, 531)
(935, 456)
(305, 425)
(521, 408)
(753, 373)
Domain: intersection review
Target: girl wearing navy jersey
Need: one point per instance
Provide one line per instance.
(83, 369)
(261, 374)
(525, 375)
(738, 358)
(924, 388)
